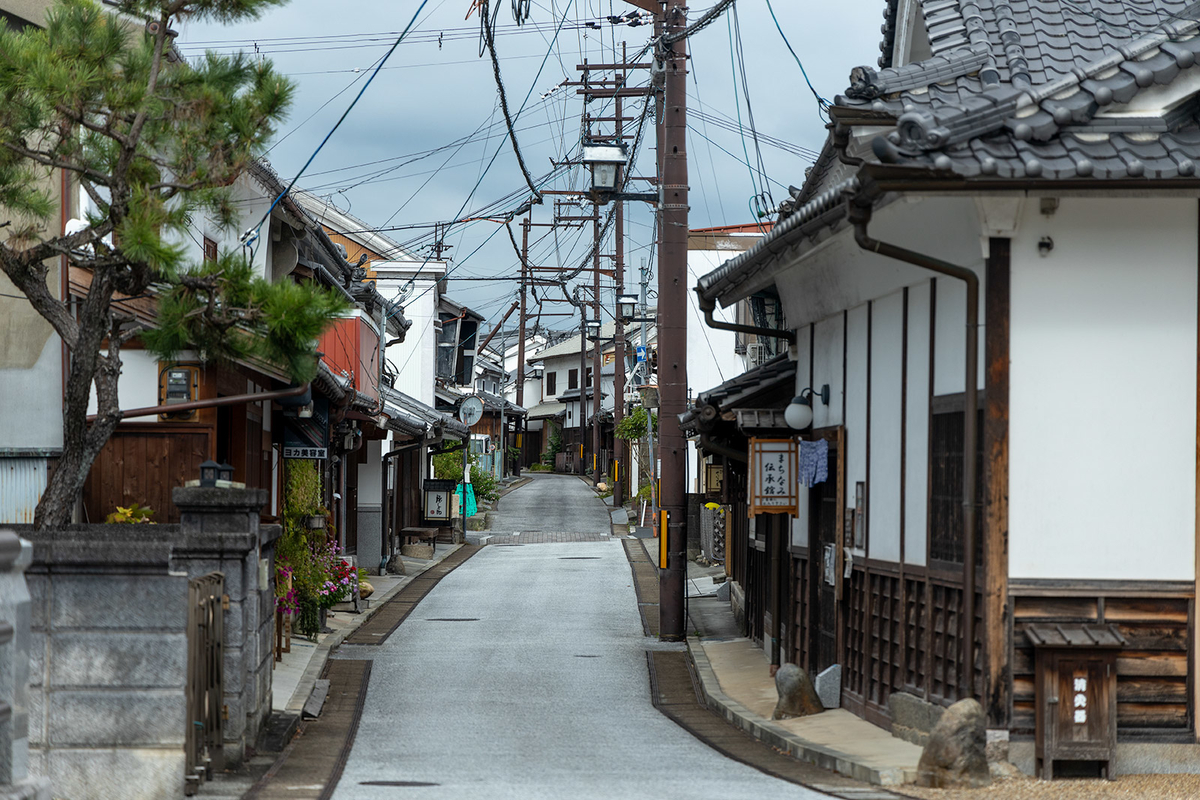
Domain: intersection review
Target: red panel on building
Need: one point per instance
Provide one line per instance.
(351, 348)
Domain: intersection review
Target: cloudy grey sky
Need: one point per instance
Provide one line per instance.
(437, 94)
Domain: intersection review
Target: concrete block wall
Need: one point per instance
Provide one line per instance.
(16, 702)
(220, 532)
(108, 667)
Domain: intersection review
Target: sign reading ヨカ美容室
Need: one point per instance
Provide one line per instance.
(773, 474)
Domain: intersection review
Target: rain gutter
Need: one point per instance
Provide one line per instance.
(709, 306)
(858, 213)
(232, 400)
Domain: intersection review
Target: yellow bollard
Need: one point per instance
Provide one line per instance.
(662, 541)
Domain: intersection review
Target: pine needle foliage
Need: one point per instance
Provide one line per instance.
(101, 96)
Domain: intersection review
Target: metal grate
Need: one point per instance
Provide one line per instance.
(205, 681)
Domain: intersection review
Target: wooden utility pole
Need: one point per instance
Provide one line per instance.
(597, 353)
(521, 323)
(619, 333)
(672, 322)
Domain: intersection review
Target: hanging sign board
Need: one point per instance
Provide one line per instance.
(307, 437)
(773, 477)
(436, 502)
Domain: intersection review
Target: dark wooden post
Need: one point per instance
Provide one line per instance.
(997, 621)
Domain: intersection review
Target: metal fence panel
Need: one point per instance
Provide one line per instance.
(205, 685)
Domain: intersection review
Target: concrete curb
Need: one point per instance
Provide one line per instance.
(316, 665)
(779, 737)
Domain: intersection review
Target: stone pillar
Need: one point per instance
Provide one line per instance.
(15, 620)
(220, 532)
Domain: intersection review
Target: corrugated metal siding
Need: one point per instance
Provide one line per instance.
(22, 481)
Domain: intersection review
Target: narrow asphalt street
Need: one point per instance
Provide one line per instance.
(523, 675)
(551, 504)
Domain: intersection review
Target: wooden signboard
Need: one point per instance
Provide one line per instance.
(774, 474)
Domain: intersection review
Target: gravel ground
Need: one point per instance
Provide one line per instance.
(1125, 787)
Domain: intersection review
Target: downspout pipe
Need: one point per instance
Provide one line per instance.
(859, 215)
(232, 400)
(708, 307)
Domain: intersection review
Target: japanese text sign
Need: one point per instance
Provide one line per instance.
(773, 474)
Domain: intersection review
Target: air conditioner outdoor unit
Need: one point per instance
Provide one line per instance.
(756, 353)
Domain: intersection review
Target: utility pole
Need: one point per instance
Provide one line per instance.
(672, 321)
(619, 346)
(597, 357)
(521, 343)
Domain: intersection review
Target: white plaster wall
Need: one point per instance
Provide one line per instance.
(883, 486)
(838, 274)
(31, 400)
(711, 360)
(1103, 392)
(856, 398)
(950, 343)
(828, 345)
(370, 475)
(414, 359)
(799, 524)
(138, 385)
(916, 428)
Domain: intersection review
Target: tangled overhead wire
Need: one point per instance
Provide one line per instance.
(521, 10)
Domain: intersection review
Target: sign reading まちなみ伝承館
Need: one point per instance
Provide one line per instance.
(773, 477)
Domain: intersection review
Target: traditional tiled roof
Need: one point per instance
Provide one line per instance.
(776, 374)
(1014, 90)
(1037, 89)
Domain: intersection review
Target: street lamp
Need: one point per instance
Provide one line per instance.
(627, 307)
(604, 160)
(592, 328)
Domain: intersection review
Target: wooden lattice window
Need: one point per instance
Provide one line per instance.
(946, 488)
(551, 384)
(572, 379)
(916, 645)
(210, 249)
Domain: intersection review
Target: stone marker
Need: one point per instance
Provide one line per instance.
(829, 686)
(955, 756)
(797, 697)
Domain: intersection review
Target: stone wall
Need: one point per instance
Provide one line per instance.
(109, 667)
(220, 532)
(108, 678)
(15, 699)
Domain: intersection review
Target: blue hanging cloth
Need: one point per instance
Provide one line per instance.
(814, 463)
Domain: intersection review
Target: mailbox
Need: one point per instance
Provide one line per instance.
(1076, 694)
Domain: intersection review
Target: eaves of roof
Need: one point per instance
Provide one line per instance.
(822, 212)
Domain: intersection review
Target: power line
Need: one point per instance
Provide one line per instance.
(249, 236)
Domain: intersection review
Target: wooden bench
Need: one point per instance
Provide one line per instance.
(418, 535)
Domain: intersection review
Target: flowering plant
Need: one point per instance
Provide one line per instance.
(336, 577)
(287, 599)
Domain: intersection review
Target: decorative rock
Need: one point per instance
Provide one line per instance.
(365, 589)
(955, 756)
(829, 686)
(797, 697)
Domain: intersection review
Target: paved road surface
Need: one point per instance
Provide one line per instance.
(551, 504)
(523, 675)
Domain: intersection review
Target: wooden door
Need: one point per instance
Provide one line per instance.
(824, 513)
(1081, 721)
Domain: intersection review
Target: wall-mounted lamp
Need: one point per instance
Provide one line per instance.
(1045, 245)
(799, 413)
(305, 411)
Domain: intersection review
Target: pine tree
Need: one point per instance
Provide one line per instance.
(101, 95)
